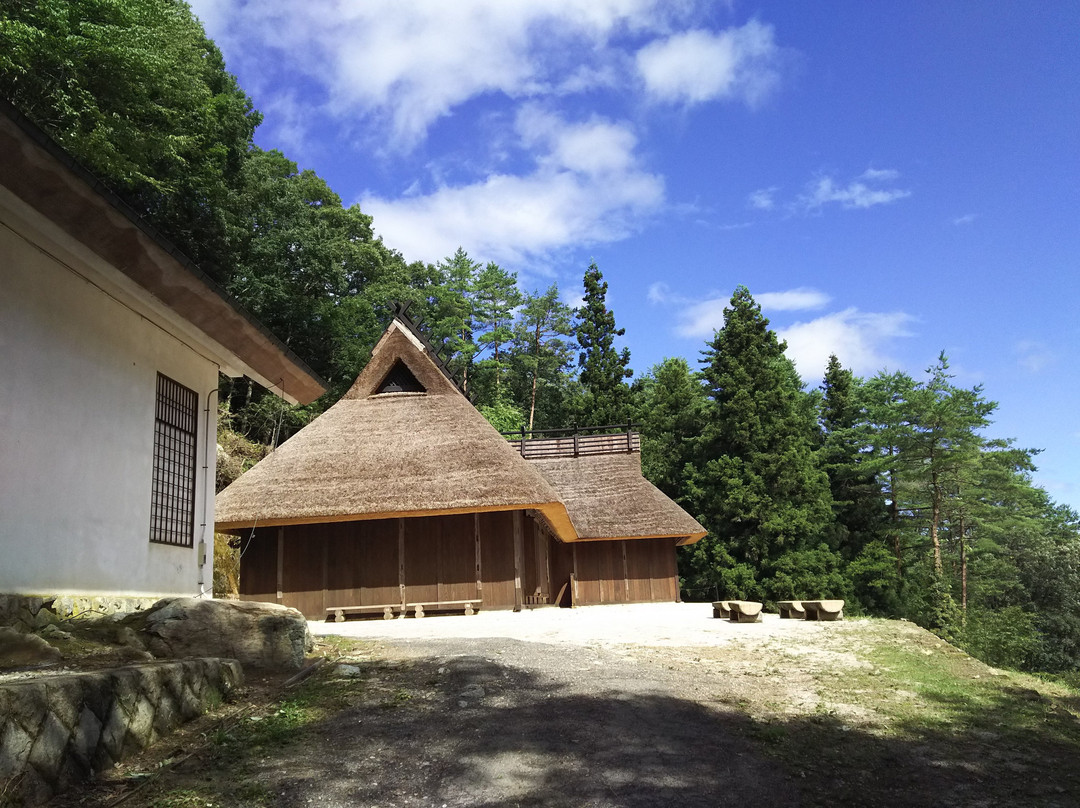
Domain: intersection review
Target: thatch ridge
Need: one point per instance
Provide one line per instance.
(608, 498)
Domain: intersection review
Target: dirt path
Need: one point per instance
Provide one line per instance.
(622, 707)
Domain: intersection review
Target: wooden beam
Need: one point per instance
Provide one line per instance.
(280, 564)
(573, 583)
(401, 562)
(519, 556)
(479, 555)
(625, 571)
(325, 564)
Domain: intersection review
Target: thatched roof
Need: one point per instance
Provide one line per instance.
(380, 454)
(608, 498)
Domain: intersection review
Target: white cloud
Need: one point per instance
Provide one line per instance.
(762, 199)
(696, 66)
(792, 300)
(862, 192)
(700, 318)
(967, 218)
(856, 337)
(1032, 355)
(587, 187)
(408, 64)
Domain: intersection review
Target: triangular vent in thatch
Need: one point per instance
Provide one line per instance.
(400, 380)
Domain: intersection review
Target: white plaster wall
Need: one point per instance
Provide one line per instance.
(78, 375)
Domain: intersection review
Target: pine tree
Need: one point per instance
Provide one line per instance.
(672, 406)
(758, 486)
(543, 335)
(603, 368)
(858, 504)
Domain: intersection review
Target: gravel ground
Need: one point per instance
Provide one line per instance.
(640, 705)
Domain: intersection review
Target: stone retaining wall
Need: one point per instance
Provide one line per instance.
(59, 730)
(28, 613)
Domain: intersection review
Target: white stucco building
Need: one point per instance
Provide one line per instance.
(110, 349)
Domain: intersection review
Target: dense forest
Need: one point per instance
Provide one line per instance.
(889, 492)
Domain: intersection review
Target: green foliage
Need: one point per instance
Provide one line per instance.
(1007, 637)
(807, 574)
(875, 580)
(138, 94)
(671, 402)
(604, 369)
(503, 415)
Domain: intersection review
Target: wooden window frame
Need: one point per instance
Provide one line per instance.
(172, 489)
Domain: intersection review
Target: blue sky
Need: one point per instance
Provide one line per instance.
(889, 180)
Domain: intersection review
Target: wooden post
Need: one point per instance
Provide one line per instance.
(625, 570)
(325, 562)
(519, 557)
(281, 563)
(479, 569)
(573, 583)
(401, 561)
(540, 547)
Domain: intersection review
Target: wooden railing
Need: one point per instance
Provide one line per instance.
(575, 442)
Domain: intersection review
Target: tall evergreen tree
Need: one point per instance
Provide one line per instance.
(858, 504)
(758, 487)
(603, 368)
(495, 296)
(672, 414)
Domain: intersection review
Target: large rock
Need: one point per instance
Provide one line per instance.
(259, 635)
(19, 650)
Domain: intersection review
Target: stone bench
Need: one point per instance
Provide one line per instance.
(721, 610)
(824, 609)
(791, 609)
(469, 607)
(744, 611)
(339, 613)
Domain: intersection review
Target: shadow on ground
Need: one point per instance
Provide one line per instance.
(472, 731)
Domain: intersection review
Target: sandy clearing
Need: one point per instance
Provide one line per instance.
(642, 624)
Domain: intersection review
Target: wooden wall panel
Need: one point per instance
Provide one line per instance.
(422, 538)
(376, 548)
(457, 559)
(302, 572)
(588, 572)
(664, 580)
(497, 559)
(344, 564)
(639, 564)
(612, 582)
(562, 564)
(258, 565)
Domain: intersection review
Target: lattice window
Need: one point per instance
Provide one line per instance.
(172, 504)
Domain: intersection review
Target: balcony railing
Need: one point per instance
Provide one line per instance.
(575, 441)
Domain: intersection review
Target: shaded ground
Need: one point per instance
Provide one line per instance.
(861, 713)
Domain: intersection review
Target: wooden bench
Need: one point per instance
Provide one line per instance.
(744, 611)
(339, 612)
(467, 606)
(824, 609)
(791, 609)
(720, 609)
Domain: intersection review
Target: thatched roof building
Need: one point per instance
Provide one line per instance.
(403, 497)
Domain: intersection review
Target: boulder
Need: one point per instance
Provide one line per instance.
(258, 635)
(19, 650)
